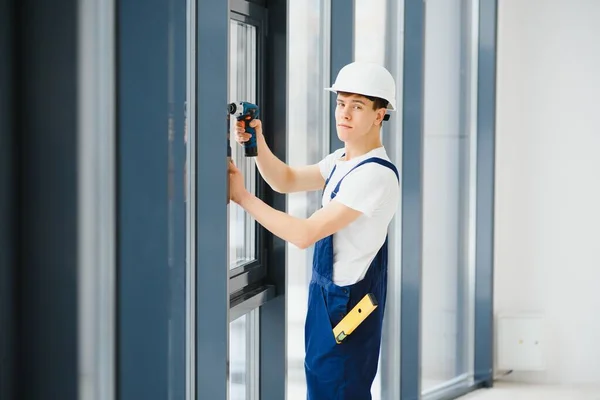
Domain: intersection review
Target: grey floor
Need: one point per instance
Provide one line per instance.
(517, 391)
(503, 391)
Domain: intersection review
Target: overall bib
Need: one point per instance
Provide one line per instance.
(343, 371)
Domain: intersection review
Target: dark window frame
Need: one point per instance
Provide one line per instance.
(245, 278)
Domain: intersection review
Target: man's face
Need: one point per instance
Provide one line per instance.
(355, 117)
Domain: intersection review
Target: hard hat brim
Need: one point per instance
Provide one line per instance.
(391, 103)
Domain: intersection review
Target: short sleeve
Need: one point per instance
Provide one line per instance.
(326, 164)
(368, 188)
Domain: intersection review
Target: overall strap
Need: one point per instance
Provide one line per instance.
(331, 173)
(377, 160)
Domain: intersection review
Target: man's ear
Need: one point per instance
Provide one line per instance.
(380, 116)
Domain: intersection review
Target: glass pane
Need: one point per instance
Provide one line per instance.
(446, 217)
(237, 359)
(308, 143)
(242, 87)
(244, 357)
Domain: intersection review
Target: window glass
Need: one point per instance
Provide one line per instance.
(237, 359)
(308, 143)
(449, 136)
(242, 87)
(244, 357)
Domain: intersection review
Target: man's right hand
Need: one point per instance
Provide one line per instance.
(277, 174)
(240, 132)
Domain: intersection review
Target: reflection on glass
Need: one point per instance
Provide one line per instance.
(242, 87)
(237, 359)
(445, 297)
(244, 357)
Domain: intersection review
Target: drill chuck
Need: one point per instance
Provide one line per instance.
(231, 108)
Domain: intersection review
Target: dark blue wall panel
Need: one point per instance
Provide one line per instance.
(46, 124)
(151, 209)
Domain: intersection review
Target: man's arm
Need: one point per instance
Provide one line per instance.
(301, 232)
(278, 175)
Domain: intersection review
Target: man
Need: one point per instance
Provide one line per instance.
(360, 198)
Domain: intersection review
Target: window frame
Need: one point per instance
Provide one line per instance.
(253, 272)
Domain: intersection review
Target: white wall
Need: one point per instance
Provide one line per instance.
(547, 236)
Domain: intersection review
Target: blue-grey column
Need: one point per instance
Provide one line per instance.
(412, 198)
(7, 204)
(342, 53)
(151, 231)
(212, 269)
(484, 256)
(272, 314)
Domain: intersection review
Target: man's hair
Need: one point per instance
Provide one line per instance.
(378, 102)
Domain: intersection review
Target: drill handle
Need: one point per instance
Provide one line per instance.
(251, 146)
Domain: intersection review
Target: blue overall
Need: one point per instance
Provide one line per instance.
(343, 371)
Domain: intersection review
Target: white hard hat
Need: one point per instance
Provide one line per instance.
(368, 79)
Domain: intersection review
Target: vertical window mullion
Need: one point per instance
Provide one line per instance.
(486, 120)
(412, 198)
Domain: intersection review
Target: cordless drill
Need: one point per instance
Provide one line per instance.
(246, 112)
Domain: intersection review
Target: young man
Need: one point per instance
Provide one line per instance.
(360, 198)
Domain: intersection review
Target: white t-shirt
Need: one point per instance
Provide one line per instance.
(371, 189)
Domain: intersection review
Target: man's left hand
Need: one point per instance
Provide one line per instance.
(237, 191)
